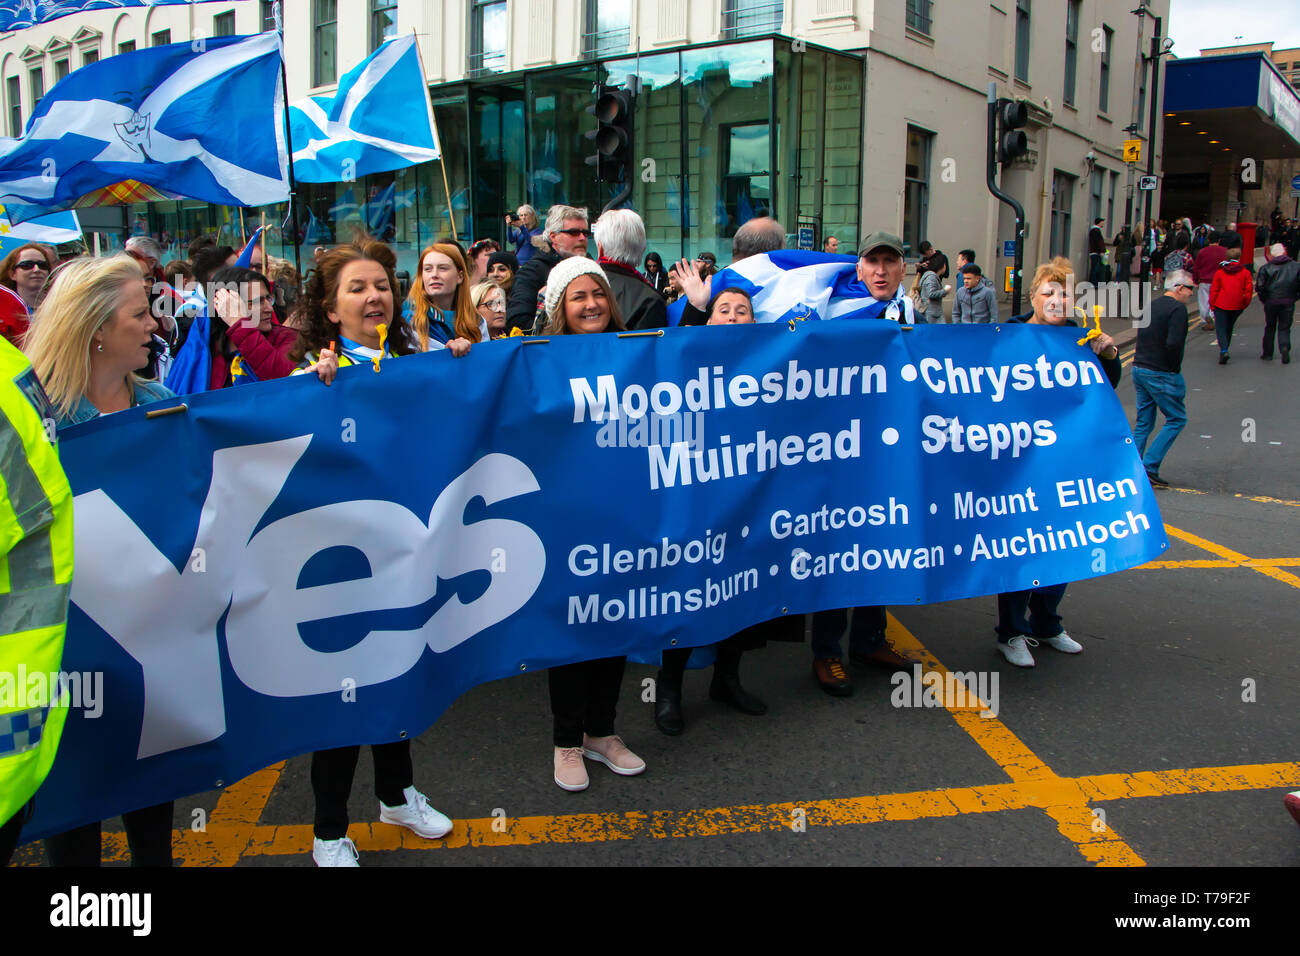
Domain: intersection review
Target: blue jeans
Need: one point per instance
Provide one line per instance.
(1165, 391)
(1041, 603)
(1224, 320)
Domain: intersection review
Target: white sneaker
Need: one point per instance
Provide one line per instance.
(1064, 643)
(416, 815)
(334, 852)
(1016, 652)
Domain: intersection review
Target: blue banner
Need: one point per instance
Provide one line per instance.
(290, 567)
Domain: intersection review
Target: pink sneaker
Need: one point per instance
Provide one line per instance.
(613, 753)
(1292, 802)
(570, 771)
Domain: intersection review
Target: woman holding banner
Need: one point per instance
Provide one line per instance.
(584, 696)
(1029, 618)
(348, 300)
(94, 331)
(439, 308)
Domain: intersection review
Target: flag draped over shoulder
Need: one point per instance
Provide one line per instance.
(797, 285)
(379, 120)
(203, 124)
(21, 14)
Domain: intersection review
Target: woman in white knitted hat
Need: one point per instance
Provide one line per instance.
(584, 696)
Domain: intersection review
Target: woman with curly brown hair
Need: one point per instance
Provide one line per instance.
(23, 273)
(439, 308)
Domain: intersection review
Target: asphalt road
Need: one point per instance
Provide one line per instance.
(1170, 740)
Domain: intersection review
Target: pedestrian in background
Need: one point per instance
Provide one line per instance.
(1278, 287)
(975, 301)
(521, 228)
(620, 245)
(930, 293)
(1230, 293)
(1204, 266)
(1157, 372)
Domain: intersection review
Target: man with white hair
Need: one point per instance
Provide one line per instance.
(566, 235)
(620, 244)
(1157, 372)
(1278, 286)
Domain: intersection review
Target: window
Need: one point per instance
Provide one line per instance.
(161, 38)
(15, 107)
(918, 16)
(746, 182)
(1062, 205)
(748, 18)
(1110, 203)
(383, 21)
(37, 77)
(488, 43)
(127, 47)
(223, 24)
(1022, 40)
(1103, 94)
(1071, 48)
(325, 14)
(916, 197)
(270, 16)
(1098, 183)
(89, 56)
(609, 27)
(60, 69)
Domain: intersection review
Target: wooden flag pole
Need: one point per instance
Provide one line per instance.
(262, 235)
(437, 140)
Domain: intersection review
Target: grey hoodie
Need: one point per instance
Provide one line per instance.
(975, 305)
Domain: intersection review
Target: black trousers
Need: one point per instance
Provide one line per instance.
(726, 664)
(331, 780)
(1277, 317)
(148, 834)
(10, 831)
(584, 698)
(867, 633)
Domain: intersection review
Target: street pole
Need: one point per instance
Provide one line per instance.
(1151, 135)
(1136, 117)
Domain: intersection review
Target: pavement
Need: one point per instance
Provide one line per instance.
(1169, 741)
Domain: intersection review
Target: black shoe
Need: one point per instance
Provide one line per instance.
(668, 709)
(727, 690)
(1223, 358)
(1286, 356)
(1156, 480)
(1266, 358)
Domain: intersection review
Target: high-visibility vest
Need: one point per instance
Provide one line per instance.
(36, 551)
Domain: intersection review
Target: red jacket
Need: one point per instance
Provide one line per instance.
(267, 354)
(13, 316)
(1231, 287)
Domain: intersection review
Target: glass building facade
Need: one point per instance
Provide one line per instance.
(722, 134)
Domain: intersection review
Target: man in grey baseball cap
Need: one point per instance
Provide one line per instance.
(881, 267)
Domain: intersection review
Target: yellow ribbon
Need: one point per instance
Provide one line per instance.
(382, 329)
(1096, 330)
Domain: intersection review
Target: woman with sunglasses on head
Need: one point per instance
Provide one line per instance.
(23, 275)
(490, 302)
(438, 307)
(92, 332)
(479, 253)
(584, 696)
(1051, 296)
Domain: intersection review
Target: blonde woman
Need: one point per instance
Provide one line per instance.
(92, 331)
(438, 308)
(584, 696)
(490, 302)
(521, 229)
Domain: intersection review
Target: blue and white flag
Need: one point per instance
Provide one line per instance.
(797, 285)
(379, 120)
(205, 125)
(245, 260)
(21, 14)
(51, 230)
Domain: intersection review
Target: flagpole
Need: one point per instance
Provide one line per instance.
(293, 183)
(262, 235)
(433, 124)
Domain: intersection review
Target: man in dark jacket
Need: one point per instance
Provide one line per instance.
(620, 244)
(566, 235)
(1278, 285)
(1158, 372)
(1096, 253)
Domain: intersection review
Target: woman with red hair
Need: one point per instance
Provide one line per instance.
(439, 308)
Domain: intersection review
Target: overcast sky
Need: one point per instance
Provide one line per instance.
(1198, 24)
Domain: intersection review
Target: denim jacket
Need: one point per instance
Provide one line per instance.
(145, 393)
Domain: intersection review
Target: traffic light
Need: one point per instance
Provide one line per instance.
(1012, 141)
(614, 112)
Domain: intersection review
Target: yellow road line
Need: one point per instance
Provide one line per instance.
(225, 838)
(1270, 501)
(1286, 577)
(1065, 799)
(1254, 564)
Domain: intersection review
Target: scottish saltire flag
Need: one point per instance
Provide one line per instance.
(798, 285)
(51, 230)
(206, 125)
(379, 120)
(21, 14)
(191, 370)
